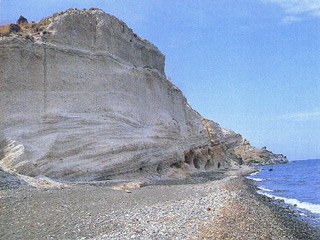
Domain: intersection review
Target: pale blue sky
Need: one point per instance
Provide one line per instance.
(251, 65)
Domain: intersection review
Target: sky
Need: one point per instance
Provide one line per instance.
(251, 65)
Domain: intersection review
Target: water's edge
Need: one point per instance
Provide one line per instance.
(290, 216)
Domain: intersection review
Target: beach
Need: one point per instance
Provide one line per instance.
(225, 208)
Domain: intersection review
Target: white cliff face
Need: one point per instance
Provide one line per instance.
(102, 34)
(90, 100)
(87, 99)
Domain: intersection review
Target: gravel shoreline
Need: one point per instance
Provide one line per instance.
(286, 215)
(226, 208)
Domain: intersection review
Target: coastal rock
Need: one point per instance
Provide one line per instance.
(238, 149)
(83, 98)
(226, 137)
(22, 20)
(89, 100)
(225, 140)
(255, 156)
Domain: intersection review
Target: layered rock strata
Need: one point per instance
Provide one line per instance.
(84, 98)
(238, 149)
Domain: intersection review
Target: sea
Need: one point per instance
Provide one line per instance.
(297, 183)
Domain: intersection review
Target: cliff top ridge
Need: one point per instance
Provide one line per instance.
(88, 29)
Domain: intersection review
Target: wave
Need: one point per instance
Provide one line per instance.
(256, 179)
(252, 174)
(265, 189)
(314, 208)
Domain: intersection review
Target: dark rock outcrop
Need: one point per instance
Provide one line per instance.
(22, 20)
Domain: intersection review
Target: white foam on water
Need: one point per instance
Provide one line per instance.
(265, 189)
(314, 208)
(252, 174)
(256, 179)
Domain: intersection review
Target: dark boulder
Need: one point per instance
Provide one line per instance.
(14, 28)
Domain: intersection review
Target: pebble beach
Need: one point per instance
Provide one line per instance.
(225, 208)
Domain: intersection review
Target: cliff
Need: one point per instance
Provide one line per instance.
(84, 98)
(238, 149)
(256, 156)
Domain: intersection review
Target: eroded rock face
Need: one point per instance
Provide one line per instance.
(89, 100)
(226, 137)
(238, 149)
(206, 158)
(256, 156)
(84, 98)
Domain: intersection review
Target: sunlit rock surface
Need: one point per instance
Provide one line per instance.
(83, 98)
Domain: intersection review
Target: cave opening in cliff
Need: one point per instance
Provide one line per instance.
(159, 168)
(187, 159)
(219, 165)
(196, 163)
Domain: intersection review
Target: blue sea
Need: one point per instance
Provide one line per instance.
(296, 183)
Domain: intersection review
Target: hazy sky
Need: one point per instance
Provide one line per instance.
(251, 65)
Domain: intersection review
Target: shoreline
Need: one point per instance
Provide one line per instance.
(306, 211)
(288, 216)
(226, 208)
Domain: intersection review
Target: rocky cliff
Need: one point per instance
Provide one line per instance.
(84, 98)
(238, 149)
(256, 156)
